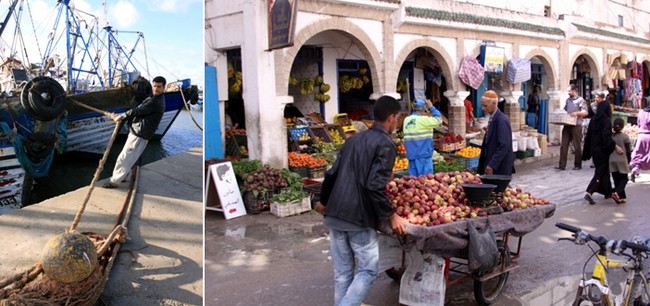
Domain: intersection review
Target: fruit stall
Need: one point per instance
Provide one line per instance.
(629, 115)
(439, 209)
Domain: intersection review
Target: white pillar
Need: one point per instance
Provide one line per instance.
(554, 102)
(264, 110)
(455, 99)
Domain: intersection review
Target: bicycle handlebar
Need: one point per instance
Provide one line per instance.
(615, 246)
(567, 227)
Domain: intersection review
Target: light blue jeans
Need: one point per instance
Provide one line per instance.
(350, 286)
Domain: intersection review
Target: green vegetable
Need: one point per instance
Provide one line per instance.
(289, 195)
(449, 167)
(294, 180)
(244, 167)
(329, 158)
(326, 147)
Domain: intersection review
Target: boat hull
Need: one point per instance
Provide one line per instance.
(90, 132)
(12, 177)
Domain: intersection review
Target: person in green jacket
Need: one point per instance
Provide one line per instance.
(418, 137)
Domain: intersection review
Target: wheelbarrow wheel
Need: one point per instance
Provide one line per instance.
(395, 274)
(487, 292)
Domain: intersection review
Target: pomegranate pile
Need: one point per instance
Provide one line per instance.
(439, 198)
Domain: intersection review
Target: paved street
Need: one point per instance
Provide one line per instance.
(264, 260)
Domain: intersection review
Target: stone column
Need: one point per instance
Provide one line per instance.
(512, 108)
(263, 108)
(456, 118)
(554, 102)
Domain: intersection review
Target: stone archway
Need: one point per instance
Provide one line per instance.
(548, 63)
(590, 57)
(439, 53)
(284, 59)
(585, 74)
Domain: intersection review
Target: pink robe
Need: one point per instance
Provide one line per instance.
(641, 153)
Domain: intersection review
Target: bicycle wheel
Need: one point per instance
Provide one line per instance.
(487, 292)
(639, 292)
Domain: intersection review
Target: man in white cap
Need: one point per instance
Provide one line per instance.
(418, 137)
(496, 148)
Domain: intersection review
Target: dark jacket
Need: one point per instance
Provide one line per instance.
(598, 141)
(496, 150)
(143, 119)
(354, 189)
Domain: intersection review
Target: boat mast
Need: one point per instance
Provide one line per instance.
(116, 53)
(73, 33)
(3, 25)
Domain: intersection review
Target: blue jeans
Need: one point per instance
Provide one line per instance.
(350, 286)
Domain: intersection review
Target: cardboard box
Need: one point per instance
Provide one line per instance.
(543, 143)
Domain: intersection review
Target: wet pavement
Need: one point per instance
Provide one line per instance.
(265, 260)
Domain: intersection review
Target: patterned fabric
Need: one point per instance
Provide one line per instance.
(471, 72)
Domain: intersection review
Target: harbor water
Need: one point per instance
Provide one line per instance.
(73, 171)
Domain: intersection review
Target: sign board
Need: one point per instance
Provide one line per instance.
(222, 178)
(492, 58)
(282, 22)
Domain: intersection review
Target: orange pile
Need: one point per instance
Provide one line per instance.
(302, 160)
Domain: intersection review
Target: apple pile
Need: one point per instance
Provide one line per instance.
(450, 138)
(439, 198)
(515, 198)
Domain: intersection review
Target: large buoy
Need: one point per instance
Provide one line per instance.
(69, 258)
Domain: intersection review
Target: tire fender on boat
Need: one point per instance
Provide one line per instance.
(39, 145)
(43, 98)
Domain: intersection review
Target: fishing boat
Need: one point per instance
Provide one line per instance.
(44, 108)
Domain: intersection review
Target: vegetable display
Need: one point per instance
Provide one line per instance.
(302, 160)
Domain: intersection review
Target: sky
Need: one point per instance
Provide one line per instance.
(172, 29)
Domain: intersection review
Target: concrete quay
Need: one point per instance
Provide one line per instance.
(162, 261)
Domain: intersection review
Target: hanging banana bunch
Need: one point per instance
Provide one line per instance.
(345, 83)
(324, 88)
(401, 86)
(292, 80)
(306, 87)
(357, 83)
(235, 82)
(318, 80)
(363, 71)
(321, 96)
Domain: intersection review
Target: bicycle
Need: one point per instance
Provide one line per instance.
(600, 289)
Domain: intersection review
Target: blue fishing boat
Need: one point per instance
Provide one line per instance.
(45, 108)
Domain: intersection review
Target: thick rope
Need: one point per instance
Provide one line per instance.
(105, 113)
(77, 217)
(188, 108)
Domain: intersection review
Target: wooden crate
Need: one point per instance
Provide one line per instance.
(332, 128)
(291, 208)
(444, 147)
(561, 118)
(321, 133)
(294, 133)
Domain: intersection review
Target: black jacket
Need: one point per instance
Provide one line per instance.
(354, 189)
(143, 119)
